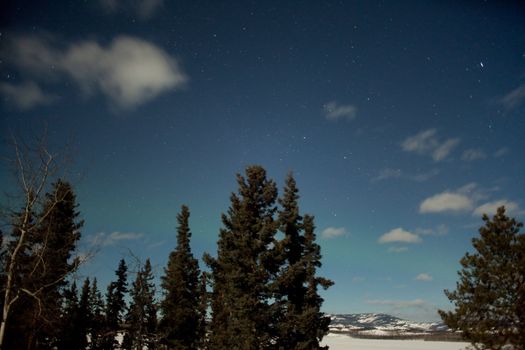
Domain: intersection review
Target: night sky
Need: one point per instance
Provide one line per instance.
(402, 122)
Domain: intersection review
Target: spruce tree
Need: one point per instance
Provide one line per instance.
(301, 325)
(313, 322)
(242, 317)
(290, 287)
(97, 320)
(83, 320)
(59, 233)
(489, 298)
(115, 307)
(67, 333)
(181, 326)
(142, 315)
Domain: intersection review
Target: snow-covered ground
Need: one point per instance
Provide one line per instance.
(344, 342)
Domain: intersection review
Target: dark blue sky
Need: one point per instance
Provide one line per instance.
(402, 122)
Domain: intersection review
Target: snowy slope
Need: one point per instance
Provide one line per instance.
(381, 325)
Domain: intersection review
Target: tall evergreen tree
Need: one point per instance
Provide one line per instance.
(67, 333)
(83, 321)
(290, 287)
(182, 317)
(96, 326)
(301, 325)
(75, 319)
(142, 315)
(245, 264)
(115, 307)
(58, 234)
(490, 295)
(313, 322)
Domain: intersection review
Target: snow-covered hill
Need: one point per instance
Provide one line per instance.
(382, 325)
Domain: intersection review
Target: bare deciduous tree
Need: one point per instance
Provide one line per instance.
(34, 168)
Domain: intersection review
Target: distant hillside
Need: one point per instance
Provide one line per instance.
(370, 325)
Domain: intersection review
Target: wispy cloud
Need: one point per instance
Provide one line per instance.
(397, 250)
(422, 177)
(103, 239)
(334, 111)
(143, 9)
(390, 173)
(501, 152)
(398, 303)
(26, 95)
(473, 154)
(399, 235)
(446, 202)
(444, 149)
(424, 277)
(128, 72)
(514, 98)
(156, 244)
(423, 142)
(440, 230)
(387, 173)
(333, 232)
(427, 143)
(490, 208)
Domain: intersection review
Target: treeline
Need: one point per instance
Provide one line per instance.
(260, 291)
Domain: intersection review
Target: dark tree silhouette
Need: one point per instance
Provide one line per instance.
(489, 298)
(182, 324)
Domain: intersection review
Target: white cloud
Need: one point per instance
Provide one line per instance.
(422, 177)
(472, 154)
(387, 173)
(421, 143)
(490, 208)
(129, 71)
(425, 277)
(514, 98)
(26, 95)
(399, 235)
(398, 303)
(34, 54)
(397, 249)
(333, 232)
(440, 230)
(465, 198)
(444, 149)
(143, 9)
(334, 111)
(446, 202)
(104, 239)
(427, 143)
(501, 152)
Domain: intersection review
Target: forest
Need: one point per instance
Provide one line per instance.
(260, 291)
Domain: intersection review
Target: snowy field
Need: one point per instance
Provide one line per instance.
(343, 342)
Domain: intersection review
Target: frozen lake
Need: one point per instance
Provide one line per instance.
(343, 342)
